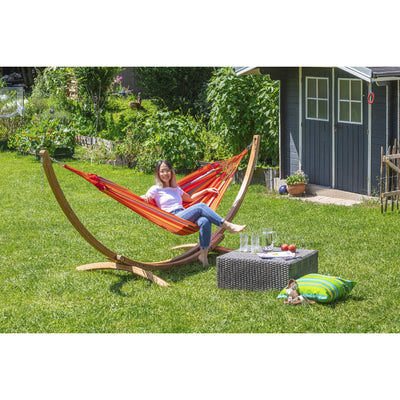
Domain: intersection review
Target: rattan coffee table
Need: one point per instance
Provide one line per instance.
(247, 271)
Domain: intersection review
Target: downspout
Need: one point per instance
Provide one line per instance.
(387, 116)
(398, 111)
(333, 131)
(300, 118)
(369, 141)
(280, 130)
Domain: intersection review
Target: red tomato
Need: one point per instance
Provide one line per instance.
(292, 248)
(284, 247)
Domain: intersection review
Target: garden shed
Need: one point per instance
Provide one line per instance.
(334, 121)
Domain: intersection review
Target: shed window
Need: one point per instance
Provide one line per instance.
(350, 101)
(317, 98)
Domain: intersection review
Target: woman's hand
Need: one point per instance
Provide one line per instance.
(145, 198)
(188, 198)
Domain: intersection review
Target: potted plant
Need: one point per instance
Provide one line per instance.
(296, 183)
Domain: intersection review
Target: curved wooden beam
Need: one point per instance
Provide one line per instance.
(142, 268)
(251, 166)
(77, 224)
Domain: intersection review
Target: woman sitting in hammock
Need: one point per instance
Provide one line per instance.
(169, 196)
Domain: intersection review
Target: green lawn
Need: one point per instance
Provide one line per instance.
(42, 292)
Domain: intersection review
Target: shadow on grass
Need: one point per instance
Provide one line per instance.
(171, 276)
(337, 302)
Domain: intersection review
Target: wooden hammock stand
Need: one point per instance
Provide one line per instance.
(121, 262)
(389, 181)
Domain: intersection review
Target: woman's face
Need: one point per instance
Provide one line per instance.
(164, 174)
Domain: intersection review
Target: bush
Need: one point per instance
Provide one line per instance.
(176, 88)
(44, 134)
(164, 135)
(94, 85)
(53, 83)
(8, 126)
(243, 106)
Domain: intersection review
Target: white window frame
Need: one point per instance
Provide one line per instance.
(350, 101)
(318, 98)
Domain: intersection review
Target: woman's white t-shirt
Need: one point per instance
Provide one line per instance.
(167, 198)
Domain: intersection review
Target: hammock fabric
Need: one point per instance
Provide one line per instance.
(218, 175)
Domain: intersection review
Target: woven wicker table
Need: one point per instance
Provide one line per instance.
(247, 271)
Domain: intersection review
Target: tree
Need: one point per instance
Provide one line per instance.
(94, 84)
(243, 106)
(177, 88)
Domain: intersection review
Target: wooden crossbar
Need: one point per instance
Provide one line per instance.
(391, 165)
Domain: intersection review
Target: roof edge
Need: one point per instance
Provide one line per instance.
(247, 71)
(360, 72)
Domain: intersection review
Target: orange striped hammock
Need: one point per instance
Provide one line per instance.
(218, 175)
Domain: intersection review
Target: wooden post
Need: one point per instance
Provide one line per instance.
(387, 181)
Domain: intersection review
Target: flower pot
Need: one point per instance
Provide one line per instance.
(296, 188)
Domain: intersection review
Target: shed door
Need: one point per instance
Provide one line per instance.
(351, 139)
(317, 135)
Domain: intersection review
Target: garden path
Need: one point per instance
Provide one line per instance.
(323, 195)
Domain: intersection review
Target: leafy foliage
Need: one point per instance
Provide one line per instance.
(93, 86)
(240, 107)
(47, 133)
(53, 82)
(177, 88)
(243, 106)
(94, 83)
(164, 135)
(297, 177)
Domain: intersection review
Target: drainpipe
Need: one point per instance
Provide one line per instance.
(387, 116)
(280, 132)
(398, 111)
(300, 118)
(369, 140)
(333, 131)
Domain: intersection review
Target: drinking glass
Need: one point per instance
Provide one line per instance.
(244, 242)
(255, 243)
(269, 238)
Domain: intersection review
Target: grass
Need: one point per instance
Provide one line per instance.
(41, 292)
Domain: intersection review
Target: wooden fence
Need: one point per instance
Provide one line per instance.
(389, 182)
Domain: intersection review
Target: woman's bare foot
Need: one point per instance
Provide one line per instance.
(233, 228)
(203, 257)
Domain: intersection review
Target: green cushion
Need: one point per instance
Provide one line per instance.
(321, 288)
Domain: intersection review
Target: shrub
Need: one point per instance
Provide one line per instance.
(8, 126)
(164, 135)
(40, 134)
(177, 88)
(94, 84)
(243, 106)
(53, 82)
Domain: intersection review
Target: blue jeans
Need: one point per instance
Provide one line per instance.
(203, 216)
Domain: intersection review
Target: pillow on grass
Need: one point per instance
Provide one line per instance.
(321, 288)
